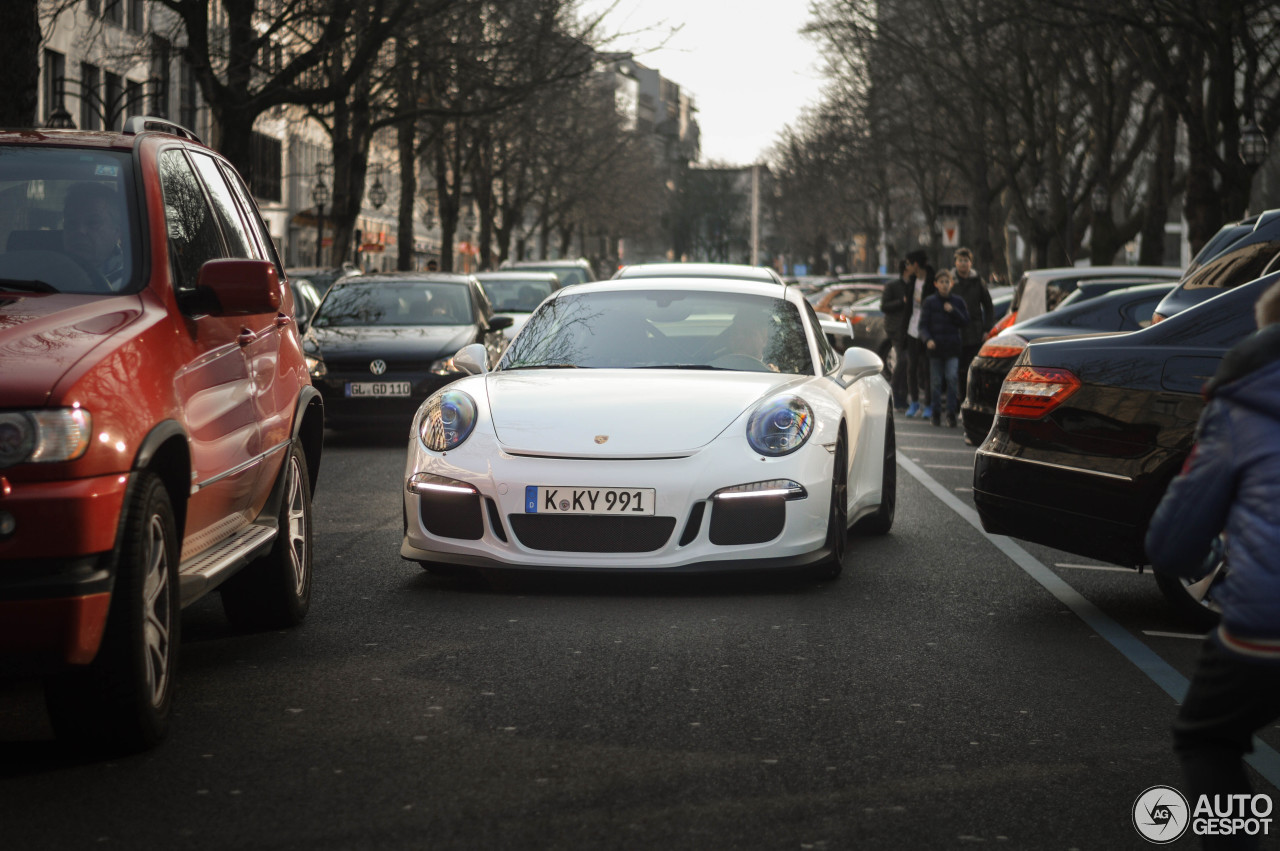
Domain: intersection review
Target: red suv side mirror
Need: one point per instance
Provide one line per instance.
(242, 286)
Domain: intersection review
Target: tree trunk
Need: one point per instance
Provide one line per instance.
(406, 141)
(20, 64)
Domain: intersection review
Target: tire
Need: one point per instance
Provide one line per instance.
(274, 591)
(837, 543)
(881, 521)
(1194, 602)
(120, 703)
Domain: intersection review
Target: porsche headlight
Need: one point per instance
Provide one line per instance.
(448, 419)
(780, 426)
(43, 436)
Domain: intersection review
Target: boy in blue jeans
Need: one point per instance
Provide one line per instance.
(943, 317)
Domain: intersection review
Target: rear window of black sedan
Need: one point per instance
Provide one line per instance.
(358, 304)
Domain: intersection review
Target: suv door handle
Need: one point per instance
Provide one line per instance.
(282, 320)
(246, 337)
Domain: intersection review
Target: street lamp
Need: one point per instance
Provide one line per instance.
(377, 194)
(60, 119)
(320, 194)
(1253, 145)
(1100, 198)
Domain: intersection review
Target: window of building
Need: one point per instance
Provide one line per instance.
(159, 81)
(267, 154)
(53, 81)
(113, 101)
(135, 22)
(94, 7)
(113, 11)
(90, 97)
(187, 96)
(135, 101)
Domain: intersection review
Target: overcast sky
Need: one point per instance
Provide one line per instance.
(749, 70)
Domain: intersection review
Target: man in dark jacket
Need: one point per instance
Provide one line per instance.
(1231, 484)
(895, 304)
(977, 298)
(943, 317)
(917, 356)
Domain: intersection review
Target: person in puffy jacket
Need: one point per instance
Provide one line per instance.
(1231, 484)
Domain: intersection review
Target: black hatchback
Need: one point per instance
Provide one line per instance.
(379, 345)
(1089, 431)
(1119, 310)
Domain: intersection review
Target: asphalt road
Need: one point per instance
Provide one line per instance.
(938, 695)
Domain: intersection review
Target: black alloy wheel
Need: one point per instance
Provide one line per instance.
(881, 521)
(837, 542)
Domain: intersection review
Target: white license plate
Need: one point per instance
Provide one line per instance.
(569, 500)
(377, 389)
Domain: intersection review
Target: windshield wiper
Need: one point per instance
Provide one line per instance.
(545, 366)
(681, 366)
(27, 286)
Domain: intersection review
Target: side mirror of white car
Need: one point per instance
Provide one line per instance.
(472, 359)
(859, 363)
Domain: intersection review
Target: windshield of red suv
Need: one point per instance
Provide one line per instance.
(67, 220)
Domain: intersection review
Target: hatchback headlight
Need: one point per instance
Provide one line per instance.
(316, 367)
(448, 418)
(43, 436)
(780, 426)
(444, 366)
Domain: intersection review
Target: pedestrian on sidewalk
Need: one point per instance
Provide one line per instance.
(917, 356)
(977, 298)
(1230, 484)
(895, 304)
(943, 317)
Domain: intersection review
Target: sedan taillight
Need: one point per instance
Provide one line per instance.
(1030, 392)
(1003, 346)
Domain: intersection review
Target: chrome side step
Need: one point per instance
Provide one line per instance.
(211, 568)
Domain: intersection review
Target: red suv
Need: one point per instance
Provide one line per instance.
(159, 435)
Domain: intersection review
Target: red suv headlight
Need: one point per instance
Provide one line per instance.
(1030, 392)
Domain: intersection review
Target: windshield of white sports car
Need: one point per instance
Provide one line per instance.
(663, 329)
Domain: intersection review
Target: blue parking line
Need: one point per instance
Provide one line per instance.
(1264, 758)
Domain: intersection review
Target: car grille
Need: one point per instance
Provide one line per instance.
(592, 534)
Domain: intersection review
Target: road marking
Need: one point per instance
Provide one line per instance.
(1265, 759)
(968, 467)
(1158, 634)
(1111, 567)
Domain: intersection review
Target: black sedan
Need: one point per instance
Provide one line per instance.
(379, 345)
(1090, 430)
(1119, 310)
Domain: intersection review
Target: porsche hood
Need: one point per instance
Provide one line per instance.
(620, 413)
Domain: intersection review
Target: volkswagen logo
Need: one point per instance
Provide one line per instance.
(378, 366)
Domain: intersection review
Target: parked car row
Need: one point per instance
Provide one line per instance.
(1088, 431)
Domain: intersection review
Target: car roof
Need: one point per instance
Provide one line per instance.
(729, 271)
(1103, 271)
(528, 264)
(529, 275)
(404, 277)
(773, 289)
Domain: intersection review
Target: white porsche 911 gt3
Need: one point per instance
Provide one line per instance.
(655, 425)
